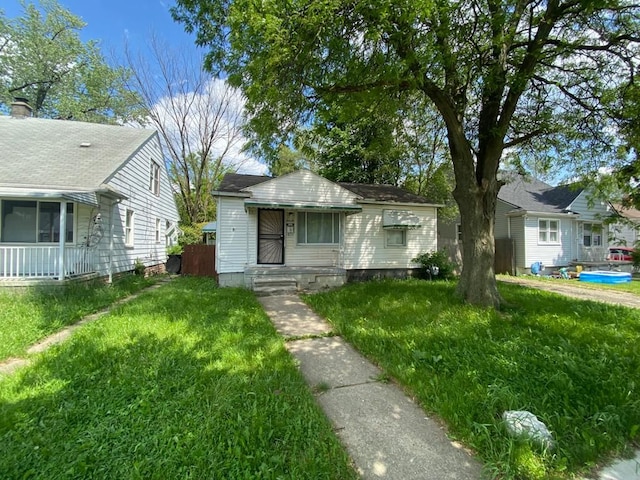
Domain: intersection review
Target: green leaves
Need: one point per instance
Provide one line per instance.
(59, 75)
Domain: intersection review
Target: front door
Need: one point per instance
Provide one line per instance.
(271, 236)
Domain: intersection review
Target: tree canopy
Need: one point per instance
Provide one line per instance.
(530, 76)
(44, 61)
(199, 120)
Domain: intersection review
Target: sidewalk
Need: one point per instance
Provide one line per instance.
(386, 434)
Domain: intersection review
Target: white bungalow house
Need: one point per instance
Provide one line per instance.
(307, 231)
(79, 198)
(557, 226)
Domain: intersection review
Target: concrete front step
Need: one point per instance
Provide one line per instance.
(274, 286)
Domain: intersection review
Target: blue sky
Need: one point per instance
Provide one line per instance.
(111, 21)
(114, 22)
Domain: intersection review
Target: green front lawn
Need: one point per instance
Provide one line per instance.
(30, 315)
(187, 381)
(574, 364)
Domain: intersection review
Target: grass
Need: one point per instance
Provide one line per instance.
(574, 364)
(30, 315)
(186, 381)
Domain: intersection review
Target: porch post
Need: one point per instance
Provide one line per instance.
(63, 239)
(111, 230)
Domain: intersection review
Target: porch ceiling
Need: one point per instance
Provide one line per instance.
(343, 207)
(85, 197)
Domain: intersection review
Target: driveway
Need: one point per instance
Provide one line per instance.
(572, 288)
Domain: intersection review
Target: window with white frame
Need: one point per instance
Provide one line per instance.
(318, 228)
(31, 221)
(592, 235)
(396, 237)
(158, 230)
(154, 178)
(128, 229)
(548, 231)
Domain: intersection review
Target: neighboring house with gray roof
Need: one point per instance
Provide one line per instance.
(104, 186)
(626, 232)
(306, 230)
(556, 226)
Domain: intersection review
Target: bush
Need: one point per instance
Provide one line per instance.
(175, 249)
(191, 234)
(440, 260)
(635, 257)
(139, 267)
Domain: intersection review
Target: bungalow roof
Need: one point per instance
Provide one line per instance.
(63, 154)
(535, 195)
(235, 183)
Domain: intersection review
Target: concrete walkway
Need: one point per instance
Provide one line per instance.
(386, 434)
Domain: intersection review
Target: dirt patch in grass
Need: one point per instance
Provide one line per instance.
(572, 288)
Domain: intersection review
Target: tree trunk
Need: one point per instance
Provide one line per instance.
(477, 204)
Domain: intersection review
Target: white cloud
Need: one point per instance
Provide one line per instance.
(215, 115)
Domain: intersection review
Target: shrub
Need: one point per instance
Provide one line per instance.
(175, 249)
(191, 234)
(635, 257)
(139, 267)
(440, 260)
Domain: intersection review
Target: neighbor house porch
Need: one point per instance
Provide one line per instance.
(44, 262)
(48, 235)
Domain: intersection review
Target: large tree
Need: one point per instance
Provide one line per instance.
(199, 120)
(396, 140)
(503, 75)
(43, 60)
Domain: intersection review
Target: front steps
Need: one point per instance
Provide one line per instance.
(274, 285)
(283, 280)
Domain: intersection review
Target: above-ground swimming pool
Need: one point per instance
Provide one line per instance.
(603, 276)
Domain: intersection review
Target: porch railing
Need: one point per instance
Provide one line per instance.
(593, 254)
(43, 261)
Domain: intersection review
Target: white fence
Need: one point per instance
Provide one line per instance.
(43, 262)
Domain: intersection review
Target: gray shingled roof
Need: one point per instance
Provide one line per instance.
(235, 183)
(384, 193)
(536, 196)
(42, 153)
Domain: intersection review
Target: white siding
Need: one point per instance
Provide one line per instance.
(624, 234)
(309, 255)
(517, 234)
(132, 179)
(303, 186)
(594, 213)
(365, 245)
(232, 235)
(551, 255)
(501, 224)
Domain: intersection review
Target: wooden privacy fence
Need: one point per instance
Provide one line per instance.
(199, 260)
(505, 261)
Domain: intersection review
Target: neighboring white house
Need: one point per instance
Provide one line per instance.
(556, 226)
(315, 232)
(104, 187)
(627, 232)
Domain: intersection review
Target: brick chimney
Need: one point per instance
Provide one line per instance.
(20, 108)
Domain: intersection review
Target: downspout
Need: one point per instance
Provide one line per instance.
(111, 232)
(63, 235)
